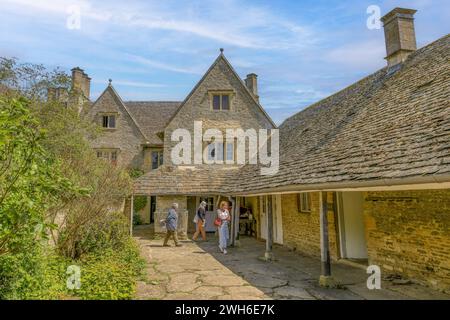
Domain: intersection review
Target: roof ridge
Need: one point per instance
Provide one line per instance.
(354, 84)
(146, 101)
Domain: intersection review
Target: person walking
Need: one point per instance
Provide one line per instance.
(200, 220)
(223, 215)
(171, 226)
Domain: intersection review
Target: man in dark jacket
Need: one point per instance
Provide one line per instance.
(171, 226)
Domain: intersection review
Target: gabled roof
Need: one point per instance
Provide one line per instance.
(152, 117)
(391, 126)
(119, 101)
(221, 57)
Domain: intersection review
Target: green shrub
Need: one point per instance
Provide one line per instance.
(109, 231)
(36, 274)
(139, 203)
(137, 220)
(111, 275)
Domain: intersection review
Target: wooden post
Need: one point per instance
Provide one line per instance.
(233, 218)
(324, 242)
(237, 211)
(131, 214)
(269, 241)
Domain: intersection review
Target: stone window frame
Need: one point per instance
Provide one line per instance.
(304, 202)
(108, 114)
(230, 93)
(107, 154)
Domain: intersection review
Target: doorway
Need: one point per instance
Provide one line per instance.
(276, 217)
(352, 235)
(152, 208)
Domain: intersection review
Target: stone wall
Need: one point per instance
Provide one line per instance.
(126, 137)
(163, 204)
(244, 112)
(408, 233)
(301, 230)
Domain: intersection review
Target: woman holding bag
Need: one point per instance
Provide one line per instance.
(200, 220)
(222, 221)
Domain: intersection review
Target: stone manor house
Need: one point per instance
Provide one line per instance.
(364, 174)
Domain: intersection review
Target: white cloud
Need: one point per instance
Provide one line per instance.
(161, 65)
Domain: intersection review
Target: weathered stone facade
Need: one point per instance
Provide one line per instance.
(163, 204)
(301, 230)
(245, 112)
(408, 232)
(126, 137)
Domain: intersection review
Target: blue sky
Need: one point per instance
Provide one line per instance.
(302, 51)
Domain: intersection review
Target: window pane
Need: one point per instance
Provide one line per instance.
(219, 148)
(155, 159)
(114, 155)
(112, 121)
(216, 102)
(211, 151)
(225, 102)
(230, 151)
(161, 158)
(99, 154)
(105, 121)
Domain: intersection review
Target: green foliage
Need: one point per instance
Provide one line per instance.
(109, 232)
(52, 184)
(137, 220)
(111, 275)
(30, 179)
(33, 274)
(139, 203)
(135, 173)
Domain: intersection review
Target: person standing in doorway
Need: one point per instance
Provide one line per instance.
(223, 215)
(171, 226)
(200, 219)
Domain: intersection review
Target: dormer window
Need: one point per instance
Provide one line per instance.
(220, 101)
(109, 121)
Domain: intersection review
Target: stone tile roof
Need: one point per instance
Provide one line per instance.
(393, 124)
(152, 117)
(168, 180)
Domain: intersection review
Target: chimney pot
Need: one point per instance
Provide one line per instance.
(399, 35)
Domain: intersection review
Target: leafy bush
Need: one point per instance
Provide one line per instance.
(139, 203)
(33, 275)
(137, 220)
(51, 183)
(111, 275)
(110, 231)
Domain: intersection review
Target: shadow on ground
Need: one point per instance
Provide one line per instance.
(242, 274)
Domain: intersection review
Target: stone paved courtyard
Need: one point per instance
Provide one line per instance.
(197, 270)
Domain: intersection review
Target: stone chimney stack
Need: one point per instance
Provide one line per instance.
(81, 82)
(399, 35)
(252, 84)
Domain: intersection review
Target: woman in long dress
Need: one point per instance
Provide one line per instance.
(224, 215)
